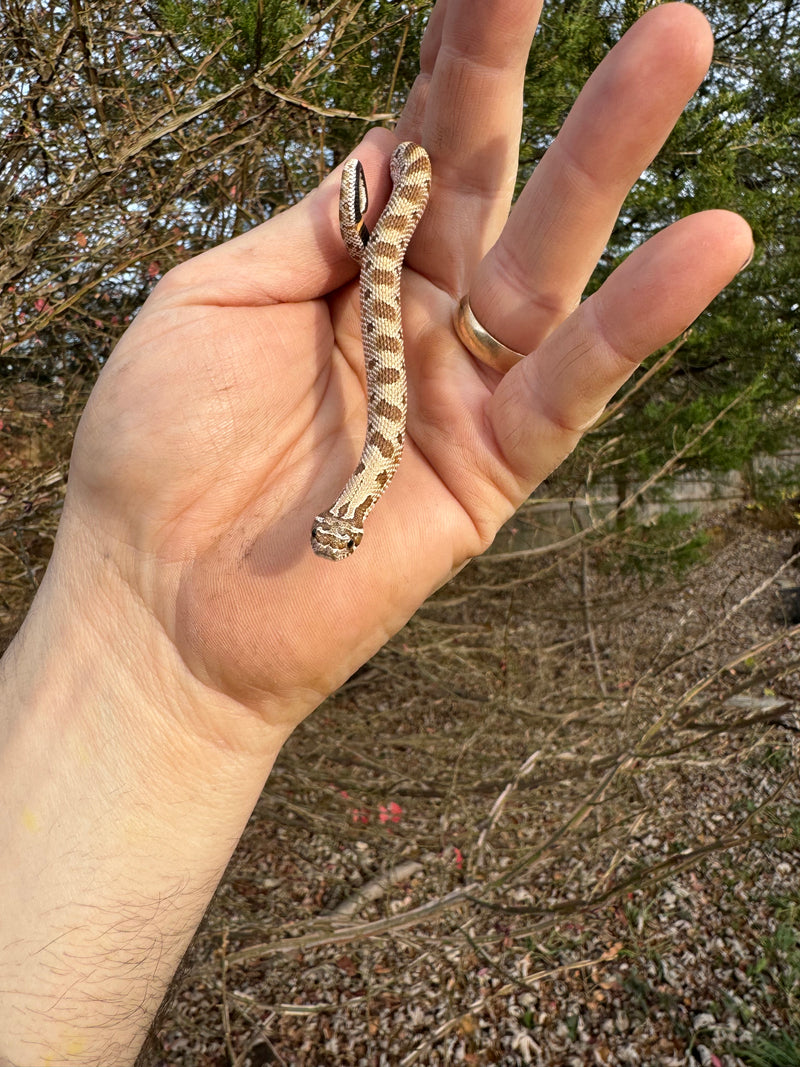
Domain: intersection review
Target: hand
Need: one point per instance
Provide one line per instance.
(184, 625)
(232, 411)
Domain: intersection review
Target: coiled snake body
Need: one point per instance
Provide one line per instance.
(337, 532)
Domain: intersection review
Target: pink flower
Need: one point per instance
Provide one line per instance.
(391, 813)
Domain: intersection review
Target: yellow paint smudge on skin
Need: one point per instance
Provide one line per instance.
(31, 821)
(73, 1046)
(83, 755)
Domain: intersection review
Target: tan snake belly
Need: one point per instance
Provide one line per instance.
(337, 532)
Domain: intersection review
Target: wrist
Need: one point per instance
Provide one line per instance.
(96, 678)
(122, 804)
(93, 632)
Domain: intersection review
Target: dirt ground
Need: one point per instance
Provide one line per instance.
(555, 821)
(558, 816)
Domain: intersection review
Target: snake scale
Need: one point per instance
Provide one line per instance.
(337, 532)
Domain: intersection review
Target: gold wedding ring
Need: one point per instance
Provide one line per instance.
(480, 342)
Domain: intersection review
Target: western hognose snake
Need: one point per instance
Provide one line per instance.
(338, 531)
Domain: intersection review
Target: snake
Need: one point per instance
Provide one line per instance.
(337, 532)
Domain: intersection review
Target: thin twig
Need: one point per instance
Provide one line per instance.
(360, 932)
(373, 890)
(224, 1006)
(587, 622)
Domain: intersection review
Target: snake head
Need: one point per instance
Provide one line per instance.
(333, 537)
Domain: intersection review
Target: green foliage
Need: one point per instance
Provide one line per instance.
(356, 57)
(247, 35)
(777, 488)
(778, 971)
(570, 42)
(668, 546)
(779, 1049)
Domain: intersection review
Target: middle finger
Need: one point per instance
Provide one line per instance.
(466, 109)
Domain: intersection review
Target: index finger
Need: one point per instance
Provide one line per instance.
(466, 109)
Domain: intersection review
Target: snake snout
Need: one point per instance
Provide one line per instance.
(333, 537)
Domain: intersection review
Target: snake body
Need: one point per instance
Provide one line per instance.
(337, 532)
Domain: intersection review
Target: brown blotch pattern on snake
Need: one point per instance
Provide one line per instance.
(337, 532)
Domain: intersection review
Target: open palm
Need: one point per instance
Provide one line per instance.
(233, 410)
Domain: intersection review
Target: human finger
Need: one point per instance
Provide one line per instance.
(466, 110)
(543, 405)
(535, 274)
(409, 125)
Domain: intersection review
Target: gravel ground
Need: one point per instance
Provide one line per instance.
(555, 821)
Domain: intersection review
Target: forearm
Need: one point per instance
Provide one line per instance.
(117, 820)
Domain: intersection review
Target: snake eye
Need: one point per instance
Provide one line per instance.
(351, 544)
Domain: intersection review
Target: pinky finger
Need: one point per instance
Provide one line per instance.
(543, 405)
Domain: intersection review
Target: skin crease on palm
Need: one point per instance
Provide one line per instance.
(184, 626)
